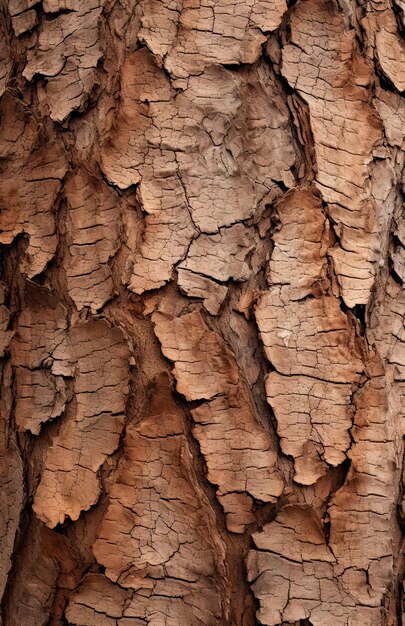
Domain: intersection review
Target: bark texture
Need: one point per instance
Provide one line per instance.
(202, 360)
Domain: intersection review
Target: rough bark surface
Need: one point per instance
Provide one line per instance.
(202, 360)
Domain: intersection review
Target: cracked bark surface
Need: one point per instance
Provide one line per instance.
(202, 360)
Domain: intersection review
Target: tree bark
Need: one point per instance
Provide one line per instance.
(202, 312)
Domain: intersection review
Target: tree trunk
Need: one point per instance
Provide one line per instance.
(202, 312)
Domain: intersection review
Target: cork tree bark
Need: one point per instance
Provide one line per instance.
(202, 311)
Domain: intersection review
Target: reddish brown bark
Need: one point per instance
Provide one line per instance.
(202, 312)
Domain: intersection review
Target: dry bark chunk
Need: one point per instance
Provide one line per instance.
(197, 286)
(238, 450)
(240, 456)
(214, 259)
(97, 356)
(130, 157)
(313, 422)
(262, 127)
(42, 326)
(47, 561)
(309, 341)
(222, 256)
(382, 28)
(311, 345)
(353, 589)
(31, 174)
(387, 328)
(93, 238)
(230, 177)
(191, 175)
(391, 108)
(170, 559)
(301, 241)
(66, 54)
(17, 7)
(315, 339)
(190, 36)
(293, 576)
(363, 511)
(40, 395)
(323, 64)
(24, 22)
(98, 603)
(204, 366)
